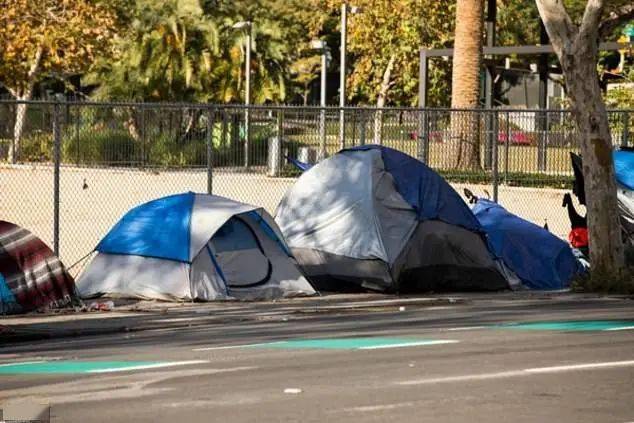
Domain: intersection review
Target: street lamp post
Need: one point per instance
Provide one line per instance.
(345, 8)
(321, 47)
(247, 27)
(342, 76)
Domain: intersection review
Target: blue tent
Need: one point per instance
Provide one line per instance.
(538, 258)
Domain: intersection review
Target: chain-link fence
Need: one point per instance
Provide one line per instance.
(70, 170)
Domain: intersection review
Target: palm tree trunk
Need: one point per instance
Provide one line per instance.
(464, 145)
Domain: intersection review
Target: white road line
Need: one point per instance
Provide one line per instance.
(20, 363)
(587, 366)
(148, 366)
(519, 373)
(410, 344)
(230, 347)
(380, 407)
(466, 328)
(620, 328)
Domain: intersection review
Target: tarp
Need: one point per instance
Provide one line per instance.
(540, 259)
(31, 276)
(425, 190)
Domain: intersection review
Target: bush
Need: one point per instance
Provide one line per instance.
(533, 180)
(100, 146)
(36, 147)
(169, 151)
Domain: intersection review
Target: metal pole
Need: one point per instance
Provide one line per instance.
(543, 100)
(247, 96)
(277, 169)
(489, 84)
(507, 143)
(422, 79)
(211, 115)
(362, 129)
(322, 103)
(423, 122)
(494, 156)
(342, 76)
(57, 142)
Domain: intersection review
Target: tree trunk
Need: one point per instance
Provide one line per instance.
(576, 49)
(24, 95)
(18, 129)
(464, 145)
(381, 98)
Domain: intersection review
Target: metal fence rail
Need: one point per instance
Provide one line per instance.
(70, 170)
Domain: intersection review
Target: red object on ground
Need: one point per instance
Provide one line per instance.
(578, 237)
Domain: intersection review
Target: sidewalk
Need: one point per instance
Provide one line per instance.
(135, 316)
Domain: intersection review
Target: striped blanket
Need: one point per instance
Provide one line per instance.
(34, 276)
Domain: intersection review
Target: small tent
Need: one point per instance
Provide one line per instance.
(194, 247)
(31, 276)
(537, 257)
(376, 218)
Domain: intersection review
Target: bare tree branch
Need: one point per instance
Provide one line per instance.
(617, 17)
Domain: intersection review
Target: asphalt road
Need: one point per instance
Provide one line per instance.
(453, 362)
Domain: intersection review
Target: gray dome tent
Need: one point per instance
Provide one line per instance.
(376, 218)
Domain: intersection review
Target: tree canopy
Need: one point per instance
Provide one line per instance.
(44, 37)
(188, 50)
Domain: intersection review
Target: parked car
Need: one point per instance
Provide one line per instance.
(517, 138)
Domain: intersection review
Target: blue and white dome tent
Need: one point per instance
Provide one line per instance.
(377, 218)
(193, 247)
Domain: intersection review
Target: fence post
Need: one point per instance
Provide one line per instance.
(423, 136)
(362, 129)
(542, 126)
(211, 115)
(142, 134)
(354, 127)
(275, 146)
(626, 128)
(494, 154)
(488, 147)
(247, 135)
(342, 128)
(57, 142)
(77, 128)
(507, 143)
(322, 134)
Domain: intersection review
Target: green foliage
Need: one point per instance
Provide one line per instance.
(37, 147)
(169, 53)
(100, 147)
(523, 179)
(188, 50)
